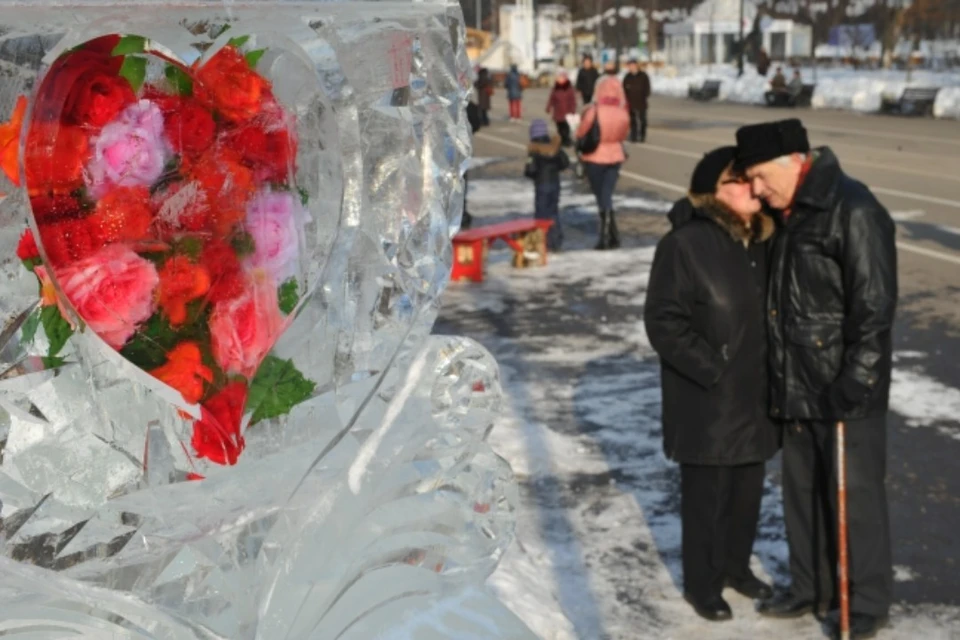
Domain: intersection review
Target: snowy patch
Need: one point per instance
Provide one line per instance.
(842, 88)
(599, 531)
(501, 198)
(904, 574)
(924, 401)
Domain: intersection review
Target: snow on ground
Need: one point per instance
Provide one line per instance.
(598, 552)
(836, 88)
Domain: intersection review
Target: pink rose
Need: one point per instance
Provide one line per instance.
(131, 151)
(244, 329)
(273, 220)
(112, 291)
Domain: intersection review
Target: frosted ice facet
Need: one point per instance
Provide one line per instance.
(371, 507)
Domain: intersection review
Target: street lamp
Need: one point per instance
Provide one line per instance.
(741, 44)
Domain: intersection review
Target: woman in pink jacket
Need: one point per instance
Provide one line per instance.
(602, 166)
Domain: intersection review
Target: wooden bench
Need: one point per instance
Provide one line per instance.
(913, 101)
(709, 90)
(527, 237)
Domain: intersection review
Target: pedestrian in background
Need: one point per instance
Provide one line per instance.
(636, 84)
(484, 87)
(545, 162)
(830, 312)
(562, 103)
(473, 117)
(705, 316)
(602, 165)
(514, 87)
(587, 78)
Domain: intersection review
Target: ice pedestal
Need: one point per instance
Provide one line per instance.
(367, 506)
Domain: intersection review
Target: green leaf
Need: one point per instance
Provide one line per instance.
(181, 82)
(243, 244)
(288, 296)
(130, 44)
(134, 69)
(254, 57)
(238, 41)
(29, 329)
(52, 362)
(304, 196)
(276, 389)
(32, 263)
(149, 346)
(57, 329)
(218, 31)
(189, 246)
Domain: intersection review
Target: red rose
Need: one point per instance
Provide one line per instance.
(229, 86)
(124, 214)
(216, 435)
(190, 127)
(83, 87)
(27, 249)
(53, 161)
(226, 185)
(67, 241)
(226, 277)
(269, 154)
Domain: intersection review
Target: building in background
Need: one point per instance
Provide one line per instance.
(710, 34)
(535, 46)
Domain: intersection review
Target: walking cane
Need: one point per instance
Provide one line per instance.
(844, 560)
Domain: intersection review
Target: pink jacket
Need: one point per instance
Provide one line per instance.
(611, 104)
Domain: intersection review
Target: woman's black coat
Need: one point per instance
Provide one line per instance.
(705, 317)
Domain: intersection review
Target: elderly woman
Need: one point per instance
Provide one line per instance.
(704, 315)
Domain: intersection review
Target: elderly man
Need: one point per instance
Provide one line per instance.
(830, 308)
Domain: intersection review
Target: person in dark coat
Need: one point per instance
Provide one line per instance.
(484, 87)
(705, 317)
(473, 118)
(545, 162)
(830, 310)
(514, 86)
(763, 62)
(562, 103)
(587, 80)
(636, 84)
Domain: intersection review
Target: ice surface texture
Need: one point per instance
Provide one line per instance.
(373, 508)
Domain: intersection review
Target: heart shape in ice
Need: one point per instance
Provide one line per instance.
(171, 222)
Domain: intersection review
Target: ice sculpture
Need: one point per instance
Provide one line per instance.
(224, 229)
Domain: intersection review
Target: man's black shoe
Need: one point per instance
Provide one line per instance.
(862, 626)
(714, 609)
(787, 605)
(751, 587)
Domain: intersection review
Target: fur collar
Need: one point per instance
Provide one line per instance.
(760, 228)
(547, 149)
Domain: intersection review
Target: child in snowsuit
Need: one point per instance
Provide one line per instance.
(545, 162)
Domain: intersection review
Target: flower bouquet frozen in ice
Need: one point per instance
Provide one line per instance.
(223, 233)
(170, 220)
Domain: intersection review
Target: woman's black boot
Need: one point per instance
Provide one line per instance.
(603, 241)
(613, 234)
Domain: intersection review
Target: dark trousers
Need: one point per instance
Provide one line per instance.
(603, 181)
(547, 207)
(638, 125)
(719, 511)
(484, 118)
(467, 221)
(563, 129)
(809, 506)
(587, 97)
